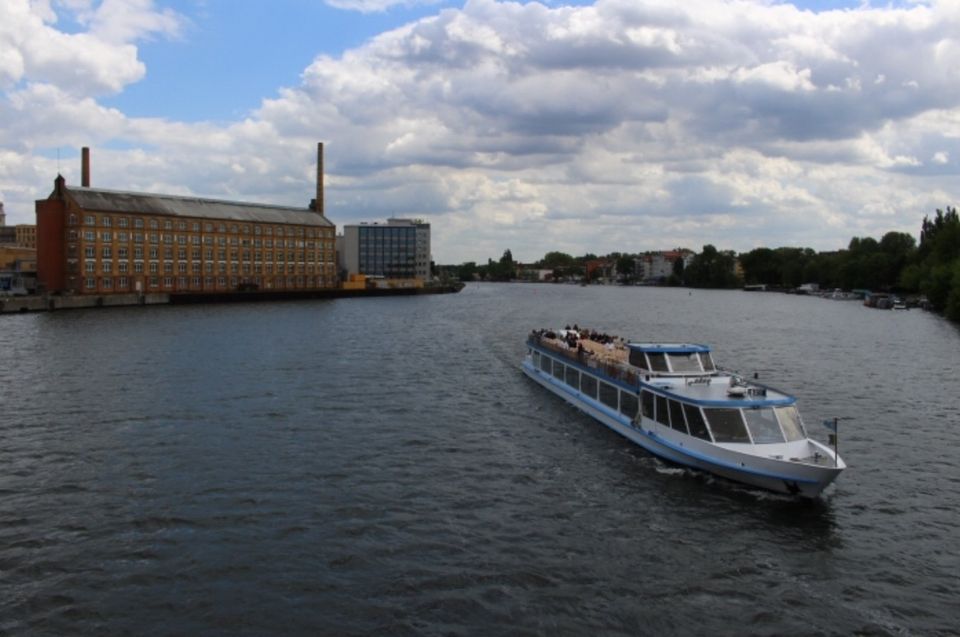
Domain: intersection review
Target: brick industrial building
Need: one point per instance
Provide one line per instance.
(100, 242)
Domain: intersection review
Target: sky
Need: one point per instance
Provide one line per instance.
(615, 125)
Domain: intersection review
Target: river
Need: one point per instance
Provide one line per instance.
(380, 466)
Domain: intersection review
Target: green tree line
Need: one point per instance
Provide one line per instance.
(895, 263)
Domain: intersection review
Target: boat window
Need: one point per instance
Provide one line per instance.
(637, 359)
(695, 420)
(763, 426)
(707, 361)
(685, 362)
(662, 415)
(558, 370)
(790, 422)
(608, 395)
(573, 376)
(658, 362)
(628, 404)
(536, 359)
(545, 363)
(588, 385)
(676, 416)
(726, 425)
(646, 399)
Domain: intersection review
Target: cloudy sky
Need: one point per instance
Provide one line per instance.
(616, 125)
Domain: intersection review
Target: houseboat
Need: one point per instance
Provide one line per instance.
(672, 400)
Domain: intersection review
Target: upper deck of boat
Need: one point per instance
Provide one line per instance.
(701, 383)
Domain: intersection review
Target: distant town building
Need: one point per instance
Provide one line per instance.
(532, 272)
(25, 235)
(3, 216)
(97, 241)
(18, 270)
(658, 266)
(397, 249)
(600, 269)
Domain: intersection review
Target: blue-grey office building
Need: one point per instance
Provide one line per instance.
(397, 249)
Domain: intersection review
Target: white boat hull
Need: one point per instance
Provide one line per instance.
(734, 462)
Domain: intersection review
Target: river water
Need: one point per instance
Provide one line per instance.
(381, 467)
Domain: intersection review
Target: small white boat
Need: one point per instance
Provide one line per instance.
(674, 402)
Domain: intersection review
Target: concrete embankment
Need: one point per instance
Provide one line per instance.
(16, 304)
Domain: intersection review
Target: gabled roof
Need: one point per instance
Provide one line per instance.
(101, 200)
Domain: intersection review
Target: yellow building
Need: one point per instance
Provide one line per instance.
(26, 235)
(18, 258)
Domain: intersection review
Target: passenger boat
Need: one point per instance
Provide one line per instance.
(672, 400)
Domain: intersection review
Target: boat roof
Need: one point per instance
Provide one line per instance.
(707, 388)
(669, 348)
(716, 392)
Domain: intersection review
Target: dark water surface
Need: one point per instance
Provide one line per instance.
(381, 466)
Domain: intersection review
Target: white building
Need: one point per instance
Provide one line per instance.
(654, 266)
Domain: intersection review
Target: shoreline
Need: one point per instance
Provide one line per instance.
(53, 303)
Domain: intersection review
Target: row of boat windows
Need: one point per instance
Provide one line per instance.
(715, 424)
(677, 363)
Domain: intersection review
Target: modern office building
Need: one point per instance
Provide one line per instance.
(397, 249)
(97, 241)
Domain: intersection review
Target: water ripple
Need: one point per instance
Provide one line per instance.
(380, 467)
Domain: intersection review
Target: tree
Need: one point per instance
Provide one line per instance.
(935, 262)
(712, 269)
(953, 299)
(626, 267)
(467, 271)
(762, 265)
(557, 260)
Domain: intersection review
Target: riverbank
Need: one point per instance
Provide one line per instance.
(49, 303)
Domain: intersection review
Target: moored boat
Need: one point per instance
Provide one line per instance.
(672, 400)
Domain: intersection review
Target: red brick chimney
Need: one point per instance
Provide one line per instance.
(319, 205)
(85, 167)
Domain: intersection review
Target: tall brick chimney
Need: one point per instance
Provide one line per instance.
(319, 206)
(85, 167)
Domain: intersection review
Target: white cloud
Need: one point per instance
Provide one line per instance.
(779, 75)
(376, 6)
(99, 61)
(624, 125)
(121, 21)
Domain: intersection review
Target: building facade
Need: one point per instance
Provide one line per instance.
(398, 249)
(96, 241)
(658, 266)
(25, 235)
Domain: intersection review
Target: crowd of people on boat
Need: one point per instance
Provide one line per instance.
(597, 337)
(572, 335)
